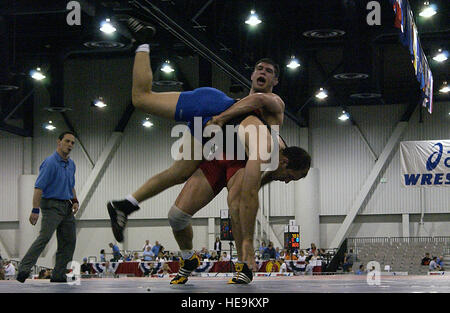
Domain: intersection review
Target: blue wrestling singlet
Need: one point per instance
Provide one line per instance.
(204, 102)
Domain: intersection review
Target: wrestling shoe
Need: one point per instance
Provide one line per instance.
(118, 214)
(186, 268)
(243, 274)
(141, 31)
(22, 276)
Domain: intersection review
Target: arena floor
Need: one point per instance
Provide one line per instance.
(302, 284)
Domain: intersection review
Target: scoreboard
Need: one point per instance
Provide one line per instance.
(292, 240)
(226, 232)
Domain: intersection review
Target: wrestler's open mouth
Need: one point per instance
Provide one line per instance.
(261, 80)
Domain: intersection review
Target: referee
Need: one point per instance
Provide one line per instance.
(54, 193)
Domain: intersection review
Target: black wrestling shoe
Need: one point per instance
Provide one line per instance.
(243, 275)
(118, 214)
(186, 268)
(141, 31)
(22, 276)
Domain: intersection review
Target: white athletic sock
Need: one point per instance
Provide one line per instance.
(143, 48)
(132, 200)
(186, 254)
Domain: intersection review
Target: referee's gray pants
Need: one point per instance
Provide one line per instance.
(56, 215)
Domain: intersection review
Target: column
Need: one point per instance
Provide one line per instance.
(307, 208)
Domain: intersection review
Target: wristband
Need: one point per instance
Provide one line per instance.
(74, 200)
(35, 211)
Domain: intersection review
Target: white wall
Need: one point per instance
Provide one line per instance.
(11, 147)
(344, 160)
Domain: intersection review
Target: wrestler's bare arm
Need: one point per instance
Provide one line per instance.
(268, 101)
(252, 172)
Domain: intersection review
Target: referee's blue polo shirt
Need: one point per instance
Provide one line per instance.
(56, 178)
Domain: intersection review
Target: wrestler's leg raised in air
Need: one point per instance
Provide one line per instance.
(162, 104)
(195, 194)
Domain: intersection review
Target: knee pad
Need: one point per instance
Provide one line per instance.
(178, 219)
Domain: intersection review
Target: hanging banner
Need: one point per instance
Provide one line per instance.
(425, 163)
(408, 34)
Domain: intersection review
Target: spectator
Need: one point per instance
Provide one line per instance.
(150, 270)
(277, 253)
(10, 270)
(361, 270)
(262, 248)
(156, 248)
(165, 269)
(44, 274)
(102, 256)
(173, 257)
(312, 249)
(126, 257)
(136, 257)
(204, 254)
(433, 266)
(214, 256)
(283, 266)
(426, 260)
(148, 255)
(161, 257)
(317, 262)
(301, 261)
(269, 253)
(291, 256)
(147, 244)
(218, 246)
(349, 258)
(225, 257)
(440, 262)
(116, 253)
(85, 267)
(108, 271)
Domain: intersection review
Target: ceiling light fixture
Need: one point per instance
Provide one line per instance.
(107, 27)
(441, 56)
(37, 74)
(167, 68)
(49, 126)
(293, 64)
(322, 94)
(99, 103)
(428, 10)
(445, 88)
(253, 19)
(344, 116)
(147, 123)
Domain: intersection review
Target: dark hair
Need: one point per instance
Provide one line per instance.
(61, 136)
(298, 158)
(272, 62)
